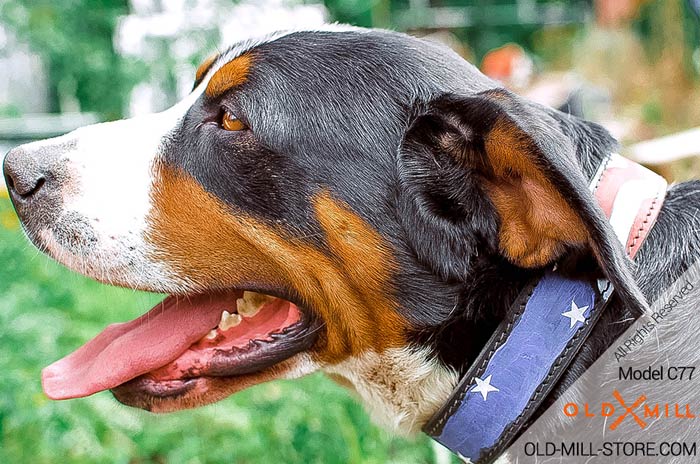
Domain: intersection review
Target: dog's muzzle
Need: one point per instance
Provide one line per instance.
(33, 178)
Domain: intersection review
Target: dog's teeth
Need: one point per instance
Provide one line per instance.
(244, 308)
(229, 320)
(211, 335)
(257, 299)
(251, 303)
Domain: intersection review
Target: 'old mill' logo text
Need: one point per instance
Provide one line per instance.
(639, 411)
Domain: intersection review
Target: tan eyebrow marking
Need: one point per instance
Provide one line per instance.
(204, 67)
(230, 75)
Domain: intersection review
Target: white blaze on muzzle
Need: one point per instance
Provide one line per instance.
(107, 177)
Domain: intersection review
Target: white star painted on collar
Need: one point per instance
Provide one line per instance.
(484, 386)
(465, 459)
(576, 314)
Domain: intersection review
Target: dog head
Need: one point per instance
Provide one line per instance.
(334, 199)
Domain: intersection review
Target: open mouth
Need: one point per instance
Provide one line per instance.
(181, 344)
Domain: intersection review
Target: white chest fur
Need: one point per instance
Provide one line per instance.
(401, 388)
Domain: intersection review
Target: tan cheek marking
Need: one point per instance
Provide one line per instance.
(363, 265)
(205, 243)
(536, 221)
(204, 67)
(230, 75)
(197, 237)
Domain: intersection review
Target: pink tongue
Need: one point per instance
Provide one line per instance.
(125, 351)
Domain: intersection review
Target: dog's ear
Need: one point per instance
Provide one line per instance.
(492, 170)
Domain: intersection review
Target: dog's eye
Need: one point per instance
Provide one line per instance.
(231, 123)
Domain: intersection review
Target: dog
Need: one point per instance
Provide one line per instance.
(359, 202)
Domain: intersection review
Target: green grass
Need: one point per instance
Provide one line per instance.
(47, 311)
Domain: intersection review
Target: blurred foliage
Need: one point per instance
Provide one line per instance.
(482, 37)
(649, 65)
(47, 311)
(668, 22)
(9, 110)
(74, 39)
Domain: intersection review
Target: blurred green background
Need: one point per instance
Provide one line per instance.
(632, 65)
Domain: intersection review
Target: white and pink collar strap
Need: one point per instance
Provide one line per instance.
(631, 197)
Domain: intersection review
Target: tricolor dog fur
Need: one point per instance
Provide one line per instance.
(354, 201)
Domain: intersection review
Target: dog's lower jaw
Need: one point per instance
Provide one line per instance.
(217, 389)
(401, 388)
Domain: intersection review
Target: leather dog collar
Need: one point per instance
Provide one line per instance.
(546, 327)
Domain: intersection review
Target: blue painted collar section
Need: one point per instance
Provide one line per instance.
(545, 329)
(519, 366)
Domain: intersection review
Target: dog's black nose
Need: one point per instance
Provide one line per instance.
(24, 174)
